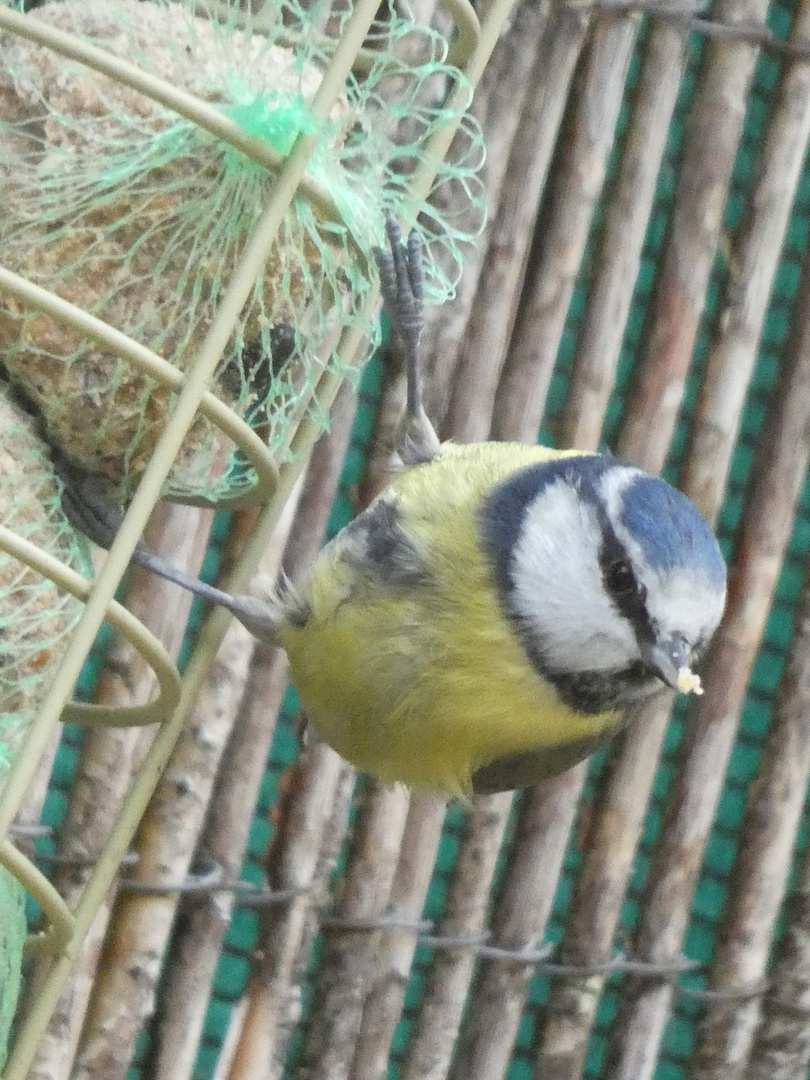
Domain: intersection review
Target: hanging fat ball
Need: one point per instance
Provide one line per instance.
(36, 615)
(497, 612)
(36, 621)
(140, 217)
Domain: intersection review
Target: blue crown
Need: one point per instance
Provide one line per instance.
(670, 529)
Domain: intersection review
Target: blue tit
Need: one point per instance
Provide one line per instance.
(497, 613)
(499, 610)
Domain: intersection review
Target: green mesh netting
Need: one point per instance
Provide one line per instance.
(35, 620)
(12, 937)
(35, 616)
(140, 217)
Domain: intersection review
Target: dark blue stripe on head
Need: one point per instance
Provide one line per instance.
(670, 529)
(502, 511)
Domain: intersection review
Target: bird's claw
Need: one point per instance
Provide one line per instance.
(402, 280)
(85, 504)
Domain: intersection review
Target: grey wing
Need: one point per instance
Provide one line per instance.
(533, 766)
(379, 549)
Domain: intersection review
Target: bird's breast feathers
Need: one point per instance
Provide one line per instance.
(408, 664)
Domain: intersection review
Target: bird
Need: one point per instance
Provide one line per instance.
(497, 612)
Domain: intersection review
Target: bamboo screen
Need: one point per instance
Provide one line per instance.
(641, 286)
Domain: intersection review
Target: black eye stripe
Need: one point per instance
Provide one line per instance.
(620, 582)
(619, 578)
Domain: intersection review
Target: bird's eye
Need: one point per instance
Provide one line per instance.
(621, 580)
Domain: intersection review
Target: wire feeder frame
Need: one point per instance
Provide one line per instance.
(66, 929)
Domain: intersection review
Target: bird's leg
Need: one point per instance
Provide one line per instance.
(402, 286)
(92, 514)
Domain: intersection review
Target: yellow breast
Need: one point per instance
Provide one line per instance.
(427, 682)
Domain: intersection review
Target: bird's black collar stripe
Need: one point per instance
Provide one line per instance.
(500, 522)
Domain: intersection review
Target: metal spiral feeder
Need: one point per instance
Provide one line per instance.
(274, 473)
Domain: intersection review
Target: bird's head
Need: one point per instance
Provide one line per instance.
(613, 579)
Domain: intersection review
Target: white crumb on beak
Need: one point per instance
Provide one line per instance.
(688, 682)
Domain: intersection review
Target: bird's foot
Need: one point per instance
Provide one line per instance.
(402, 285)
(402, 281)
(86, 505)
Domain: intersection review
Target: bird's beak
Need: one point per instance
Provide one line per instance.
(669, 659)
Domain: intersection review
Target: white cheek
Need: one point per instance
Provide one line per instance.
(559, 590)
